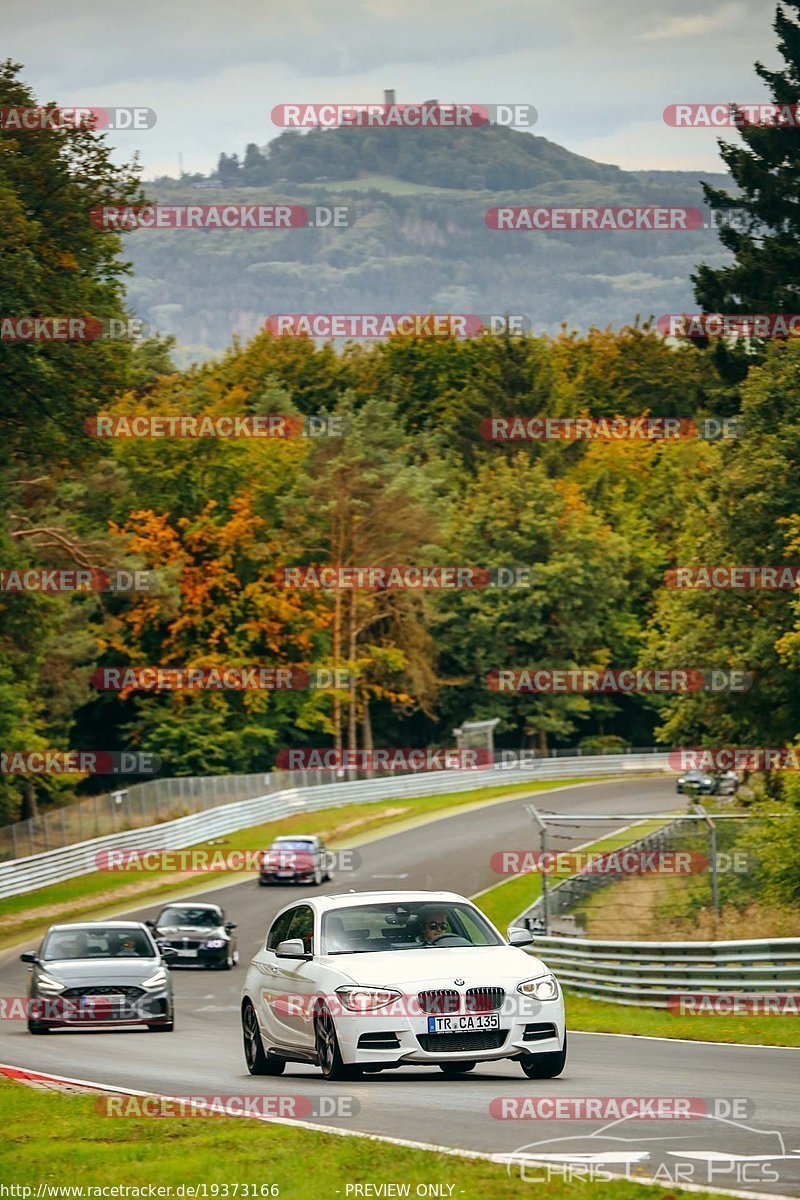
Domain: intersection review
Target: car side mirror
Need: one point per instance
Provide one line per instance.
(150, 924)
(29, 956)
(292, 948)
(519, 937)
(230, 925)
(168, 952)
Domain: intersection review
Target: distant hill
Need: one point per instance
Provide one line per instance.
(417, 240)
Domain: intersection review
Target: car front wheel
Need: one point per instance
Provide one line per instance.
(329, 1055)
(258, 1063)
(38, 1027)
(545, 1066)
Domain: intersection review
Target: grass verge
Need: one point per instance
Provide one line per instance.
(105, 891)
(600, 1016)
(52, 1138)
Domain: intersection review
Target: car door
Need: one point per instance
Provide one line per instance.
(295, 982)
(270, 980)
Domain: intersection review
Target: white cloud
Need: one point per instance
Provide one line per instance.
(695, 24)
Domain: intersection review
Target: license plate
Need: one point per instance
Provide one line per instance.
(187, 953)
(465, 1024)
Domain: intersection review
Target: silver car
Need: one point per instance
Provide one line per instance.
(103, 973)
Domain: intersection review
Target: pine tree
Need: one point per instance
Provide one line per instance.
(761, 224)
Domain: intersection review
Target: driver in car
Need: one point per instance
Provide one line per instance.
(433, 925)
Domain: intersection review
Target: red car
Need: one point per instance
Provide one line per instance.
(298, 858)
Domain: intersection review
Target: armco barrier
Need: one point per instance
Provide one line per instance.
(21, 875)
(648, 973)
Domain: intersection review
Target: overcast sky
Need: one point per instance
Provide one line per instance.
(599, 72)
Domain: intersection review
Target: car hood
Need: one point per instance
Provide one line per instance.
(490, 966)
(97, 972)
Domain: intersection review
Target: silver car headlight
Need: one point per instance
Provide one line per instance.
(215, 944)
(366, 999)
(543, 987)
(46, 983)
(159, 979)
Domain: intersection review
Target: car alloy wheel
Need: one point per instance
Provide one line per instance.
(258, 1063)
(327, 1046)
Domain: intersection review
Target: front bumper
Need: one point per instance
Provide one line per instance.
(82, 1012)
(198, 956)
(526, 1026)
(287, 876)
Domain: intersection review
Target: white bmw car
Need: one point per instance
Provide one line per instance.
(372, 980)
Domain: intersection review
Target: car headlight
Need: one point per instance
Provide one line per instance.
(46, 983)
(215, 944)
(366, 999)
(159, 979)
(544, 987)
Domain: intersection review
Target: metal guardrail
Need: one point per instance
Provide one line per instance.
(152, 801)
(650, 973)
(35, 871)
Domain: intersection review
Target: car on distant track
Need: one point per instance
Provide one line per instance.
(295, 858)
(705, 783)
(99, 973)
(198, 934)
(727, 783)
(699, 783)
(374, 980)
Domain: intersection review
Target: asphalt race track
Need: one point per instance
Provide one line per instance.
(204, 1054)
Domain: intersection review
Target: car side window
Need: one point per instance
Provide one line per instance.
(280, 929)
(302, 926)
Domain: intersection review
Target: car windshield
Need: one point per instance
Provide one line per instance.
(207, 917)
(97, 943)
(277, 847)
(411, 925)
